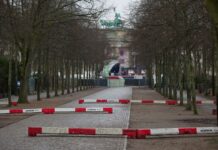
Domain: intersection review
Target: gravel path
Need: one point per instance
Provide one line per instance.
(165, 116)
(15, 136)
(207, 108)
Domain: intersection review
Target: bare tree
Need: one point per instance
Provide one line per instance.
(173, 36)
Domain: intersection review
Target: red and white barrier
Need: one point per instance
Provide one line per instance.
(121, 101)
(205, 102)
(114, 77)
(6, 103)
(170, 102)
(214, 111)
(142, 133)
(167, 102)
(130, 133)
(126, 101)
(55, 110)
(34, 131)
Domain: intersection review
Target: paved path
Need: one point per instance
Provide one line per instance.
(15, 136)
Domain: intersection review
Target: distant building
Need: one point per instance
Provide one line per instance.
(119, 50)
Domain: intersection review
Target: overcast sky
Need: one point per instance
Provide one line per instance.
(122, 7)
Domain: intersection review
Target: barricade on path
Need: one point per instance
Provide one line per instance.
(130, 133)
(115, 81)
(171, 102)
(121, 101)
(143, 133)
(167, 102)
(125, 101)
(55, 110)
(6, 103)
(34, 131)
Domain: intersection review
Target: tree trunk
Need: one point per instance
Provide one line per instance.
(213, 73)
(16, 75)
(47, 74)
(193, 92)
(24, 77)
(23, 86)
(56, 78)
(188, 77)
(158, 74)
(85, 75)
(77, 75)
(53, 77)
(92, 75)
(181, 88)
(39, 78)
(62, 76)
(73, 72)
(216, 66)
(164, 76)
(67, 70)
(89, 75)
(80, 76)
(9, 79)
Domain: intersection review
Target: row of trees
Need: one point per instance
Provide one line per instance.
(175, 40)
(55, 41)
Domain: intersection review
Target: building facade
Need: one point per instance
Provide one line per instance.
(118, 51)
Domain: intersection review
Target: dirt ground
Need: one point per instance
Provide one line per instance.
(164, 116)
(6, 119)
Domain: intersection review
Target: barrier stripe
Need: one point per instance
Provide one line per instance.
(187, 130)
(102, 101)
(4, 111)
(112, 131)
(122, 101)
(81, 131)
(64, 109)
(80, 109)
(6, 103)
(130, 133)
(205, 102)
(37, 110)
(15, 111)
(163, 131)
(94, 109)
(207, 130)
(138, 101)
(113, 77)
(146, 101)
(54, 130)
(159, 102)
(55, 110)
(126, 101)
(113, 100)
